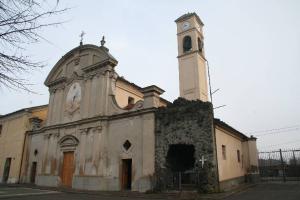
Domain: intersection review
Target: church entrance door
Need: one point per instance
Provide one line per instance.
(126, 174)
(67, 169)
(6, 169)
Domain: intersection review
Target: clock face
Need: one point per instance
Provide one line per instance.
(185, 25)
(73, 98)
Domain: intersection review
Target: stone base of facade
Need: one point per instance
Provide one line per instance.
(48, 180)
(232, 183)
(96, 183)
(143, 184)
(108, 184)
(11, 180)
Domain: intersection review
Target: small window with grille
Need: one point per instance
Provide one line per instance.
(224, 152)
(238, 155)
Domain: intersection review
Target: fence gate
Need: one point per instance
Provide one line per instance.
(280, 165)
(187, 180)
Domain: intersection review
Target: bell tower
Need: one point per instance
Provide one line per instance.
(191, 58)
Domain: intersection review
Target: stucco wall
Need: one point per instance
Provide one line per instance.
(124, 91)
(253, 153)
(11, 144)
(12, 139)
(40, 113)
(230, 168)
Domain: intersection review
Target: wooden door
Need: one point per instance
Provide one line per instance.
(33, 172)
(67, 169)
(126, 174)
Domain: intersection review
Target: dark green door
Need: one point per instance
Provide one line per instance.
(33, 172)
(6, 169)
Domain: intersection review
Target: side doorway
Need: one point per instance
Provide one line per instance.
(6, 170)
(33, 172)
(126, 176)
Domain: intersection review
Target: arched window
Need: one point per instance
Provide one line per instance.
(187, 43)
(200, 45)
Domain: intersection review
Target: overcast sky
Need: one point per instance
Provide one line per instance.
(253, 48)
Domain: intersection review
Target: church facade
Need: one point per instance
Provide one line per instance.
(103, 132)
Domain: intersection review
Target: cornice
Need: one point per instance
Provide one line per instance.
(191, 30)
(57, 81)
(94, 119)
(107, 62)
(192, 52)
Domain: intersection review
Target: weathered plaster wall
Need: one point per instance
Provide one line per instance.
(50, 152)
(99, 153)
(91, 68)
(98, 125)
(93, 101)
(186, 122)
(139, 131)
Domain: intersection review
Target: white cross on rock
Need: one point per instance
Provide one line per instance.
(202, 160)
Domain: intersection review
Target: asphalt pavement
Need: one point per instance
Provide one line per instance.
(269, 191)
(262, 191)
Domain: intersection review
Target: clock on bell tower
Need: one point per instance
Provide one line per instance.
(191, 58)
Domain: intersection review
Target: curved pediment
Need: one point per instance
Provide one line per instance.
(79, 61)
(68, 141)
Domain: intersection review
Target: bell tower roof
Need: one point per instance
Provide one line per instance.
(189, 15)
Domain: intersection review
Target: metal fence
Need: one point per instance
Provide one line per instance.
(182, 180)
(280, 165)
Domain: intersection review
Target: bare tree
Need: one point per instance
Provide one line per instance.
(20, 24)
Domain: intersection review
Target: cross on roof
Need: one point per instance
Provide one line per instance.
(81, 36)
(103, 41)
